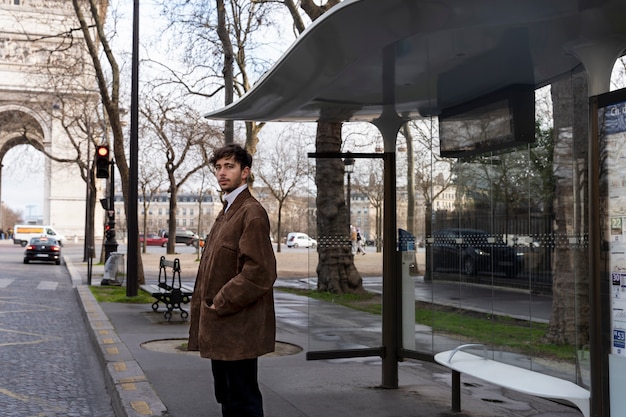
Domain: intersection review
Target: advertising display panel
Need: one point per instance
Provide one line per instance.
(612, 145)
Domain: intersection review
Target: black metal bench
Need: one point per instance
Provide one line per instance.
(172, 294)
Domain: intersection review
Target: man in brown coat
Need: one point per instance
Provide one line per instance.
(232, 307)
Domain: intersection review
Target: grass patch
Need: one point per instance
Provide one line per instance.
(117, 294)
(471, 327)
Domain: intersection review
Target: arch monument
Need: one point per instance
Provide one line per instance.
(48, 100)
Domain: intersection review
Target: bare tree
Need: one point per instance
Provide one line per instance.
(335, 269)
(432, 175)
(221, 36)
(183, 141)
(282, 169)
(10, 218)
(374, 191)
(91, 16)
(150, 182)
(201, 194)
(619, 79)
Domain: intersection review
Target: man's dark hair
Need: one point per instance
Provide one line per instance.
(233, 150)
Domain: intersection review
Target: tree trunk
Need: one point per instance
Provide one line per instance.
(227, 70)
(336, 272)
(279, 225)
(171, 226)
(570, 286)
(122, 167)
(90, 241)
(410, 179)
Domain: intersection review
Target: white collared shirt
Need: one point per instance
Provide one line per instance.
(230, 197)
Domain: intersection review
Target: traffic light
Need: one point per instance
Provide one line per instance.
(109, 227)
(102, 161)
(109, 232)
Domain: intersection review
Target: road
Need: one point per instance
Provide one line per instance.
(49, 367)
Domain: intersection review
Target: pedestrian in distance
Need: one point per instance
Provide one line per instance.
(359, 243)
(233, 320)
(353, 239)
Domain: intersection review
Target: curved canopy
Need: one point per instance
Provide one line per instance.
(445, 52)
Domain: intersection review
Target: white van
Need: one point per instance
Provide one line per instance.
(22, 233)
(300, 240)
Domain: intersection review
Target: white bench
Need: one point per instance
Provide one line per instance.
(509, 376)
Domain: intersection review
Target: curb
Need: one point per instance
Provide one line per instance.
(130, 391)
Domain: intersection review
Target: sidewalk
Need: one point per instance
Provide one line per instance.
(146, 380)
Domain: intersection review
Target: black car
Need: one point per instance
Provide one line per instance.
(471, 251)
(43, 249)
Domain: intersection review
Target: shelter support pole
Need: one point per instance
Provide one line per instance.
(598, 56)
(389, 124)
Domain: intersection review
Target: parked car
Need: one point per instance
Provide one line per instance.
(154, 239)
(43, 249)
(300, 240)
(471, 251)
(184, 236)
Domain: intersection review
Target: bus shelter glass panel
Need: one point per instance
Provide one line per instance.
(345, 264)
(504, 236)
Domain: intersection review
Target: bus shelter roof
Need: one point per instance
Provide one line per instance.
(445, 52)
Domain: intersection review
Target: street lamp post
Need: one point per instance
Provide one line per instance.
(348, 164)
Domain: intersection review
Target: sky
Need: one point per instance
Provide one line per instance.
(23, 181)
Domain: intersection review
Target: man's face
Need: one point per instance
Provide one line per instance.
(229, 174)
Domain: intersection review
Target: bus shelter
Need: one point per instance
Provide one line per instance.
(545, 217)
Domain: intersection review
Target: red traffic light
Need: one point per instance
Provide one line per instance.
(102, 161)
(103, 151)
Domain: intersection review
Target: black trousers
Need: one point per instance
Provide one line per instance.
(237, 387)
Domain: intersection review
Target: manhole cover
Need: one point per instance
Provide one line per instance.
(180, 346)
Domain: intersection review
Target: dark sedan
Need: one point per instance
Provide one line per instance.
(43, 249)
(471, 251)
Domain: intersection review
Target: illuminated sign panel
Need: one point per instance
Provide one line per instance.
(500, 120)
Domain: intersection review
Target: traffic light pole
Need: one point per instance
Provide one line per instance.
(110, 243)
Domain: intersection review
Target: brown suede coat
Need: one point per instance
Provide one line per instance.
(236, 274)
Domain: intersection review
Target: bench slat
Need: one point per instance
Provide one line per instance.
(516, 378)
(149, 288)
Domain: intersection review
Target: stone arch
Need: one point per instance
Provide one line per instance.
(21, 125)
(39, 70)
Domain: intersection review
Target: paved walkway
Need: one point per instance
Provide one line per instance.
(146, 380)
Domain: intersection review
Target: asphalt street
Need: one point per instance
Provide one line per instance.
(49, 363)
